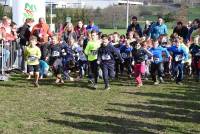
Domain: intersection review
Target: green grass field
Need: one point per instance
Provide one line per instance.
(193, 12)
(123, 31)
(72, 108)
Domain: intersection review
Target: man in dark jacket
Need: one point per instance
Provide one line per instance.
(24, 35)
(135, 26)
(181, 30)
(106, 59)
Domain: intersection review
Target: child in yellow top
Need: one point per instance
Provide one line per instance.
(32, 55)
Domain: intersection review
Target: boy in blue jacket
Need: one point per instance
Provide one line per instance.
(157, 61)
(126, 53)
(179, 55)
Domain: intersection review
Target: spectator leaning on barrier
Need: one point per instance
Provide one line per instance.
(42, 32)
(135, 26)
(157, 29)
(7, 37)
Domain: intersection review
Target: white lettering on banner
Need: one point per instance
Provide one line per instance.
(23, 9)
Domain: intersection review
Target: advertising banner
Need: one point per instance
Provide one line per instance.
(23, 9)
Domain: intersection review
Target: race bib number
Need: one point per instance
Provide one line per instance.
(197, 54)
(124, 55)
(178, 58)
(32, 58)
(165, 59)
(156, 59)
(106, 57)
(63, 52)
(94, 52)
(55, 53)
(82, 56)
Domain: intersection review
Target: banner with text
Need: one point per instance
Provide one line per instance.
(23, 9)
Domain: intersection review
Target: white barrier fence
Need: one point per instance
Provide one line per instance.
(10, 57)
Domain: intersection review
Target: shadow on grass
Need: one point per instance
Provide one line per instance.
(193, 117)
(179, 103)
(110, 124)
(5, 84)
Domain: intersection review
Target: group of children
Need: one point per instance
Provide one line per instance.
(113, 54)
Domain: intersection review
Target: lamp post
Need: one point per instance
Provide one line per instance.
(51, 13)
(127, 14)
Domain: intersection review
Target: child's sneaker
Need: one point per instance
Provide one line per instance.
(161, 80)
(29, 77)
(71, 79)
(36, 84)
(139, 85)
(95, 86)
(156, 83)
(62, 81)
(107, 88)
(57, 81)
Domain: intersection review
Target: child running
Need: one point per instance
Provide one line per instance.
(91, 51)
(55, 59)
(106, 60)
(32, 55)
(139, 57)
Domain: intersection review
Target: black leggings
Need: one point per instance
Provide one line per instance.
(93, 70)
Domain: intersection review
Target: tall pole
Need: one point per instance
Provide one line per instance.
(127, 14)
(51, 13)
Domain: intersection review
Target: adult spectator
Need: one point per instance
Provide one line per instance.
(6, 28)
(80, 30)
(69, 33)
(135, 26)
(194, 26)
(147, 27)
(42, 32)
(157, 29)
(92, 26)
(181, 30)
(61, 30)
(24, 34)
(7, 37)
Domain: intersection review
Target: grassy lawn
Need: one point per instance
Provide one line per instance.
(110, 31)
(74, 109)
(123, 31)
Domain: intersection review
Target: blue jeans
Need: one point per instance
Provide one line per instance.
(83, 65)
(178, 71)
(108, 70)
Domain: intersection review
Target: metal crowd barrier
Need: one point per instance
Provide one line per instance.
(10, 58)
